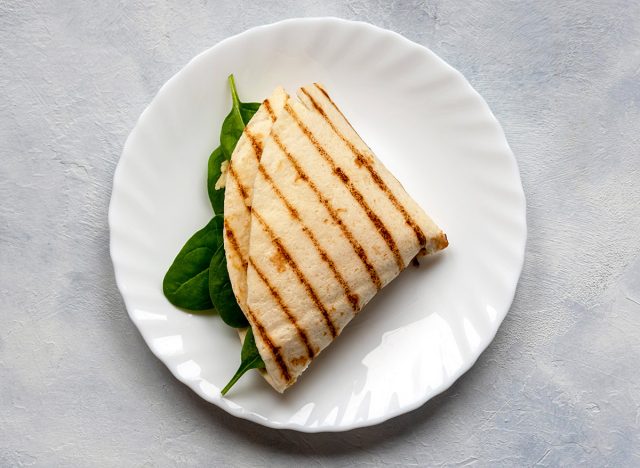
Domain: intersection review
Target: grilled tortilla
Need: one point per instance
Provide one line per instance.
(329, 227)
(238, 181)
(240, 174)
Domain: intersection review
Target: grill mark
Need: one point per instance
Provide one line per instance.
(358, 249)
(257, 147)
(233, 240)
(301, 277)
(362, 161)
(232, 172)
(275, 350)
(377, 222)
(322, 90)
(267, 105)
(278, 298)
(353, 298)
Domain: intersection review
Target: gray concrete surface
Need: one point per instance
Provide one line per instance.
(559, 386)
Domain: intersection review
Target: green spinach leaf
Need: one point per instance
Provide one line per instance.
(250, 359)
(186, 283)
(248, 109)
(220, 288)
(234, 123)
(232, 127)
(213, 174)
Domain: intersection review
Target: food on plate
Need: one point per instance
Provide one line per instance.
(238, 182)
(314, 225)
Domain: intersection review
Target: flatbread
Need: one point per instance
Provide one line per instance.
(240, 174)
(330, 226)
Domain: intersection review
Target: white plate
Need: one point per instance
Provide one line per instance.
(433, 131)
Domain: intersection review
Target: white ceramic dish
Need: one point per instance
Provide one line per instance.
(434, 132)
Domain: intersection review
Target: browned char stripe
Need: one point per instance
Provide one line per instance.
(351, 296)
(234, 242)
(322, 90)
(243, 191)
(359, 250)
(298, 272)
(257, 147)
(377, 222)
(232, 172)
(278, 298)
(363, 161)
(267, 105)
(275, 350)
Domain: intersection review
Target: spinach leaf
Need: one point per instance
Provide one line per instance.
(186, 283)
(235, 121)
(232, 127)
(250, 359)
(213, 174)
(248, 109)
(220, 288)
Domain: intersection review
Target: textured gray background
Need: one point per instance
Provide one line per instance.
(560, 384)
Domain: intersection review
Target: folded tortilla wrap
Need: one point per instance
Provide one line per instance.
(322, 228)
